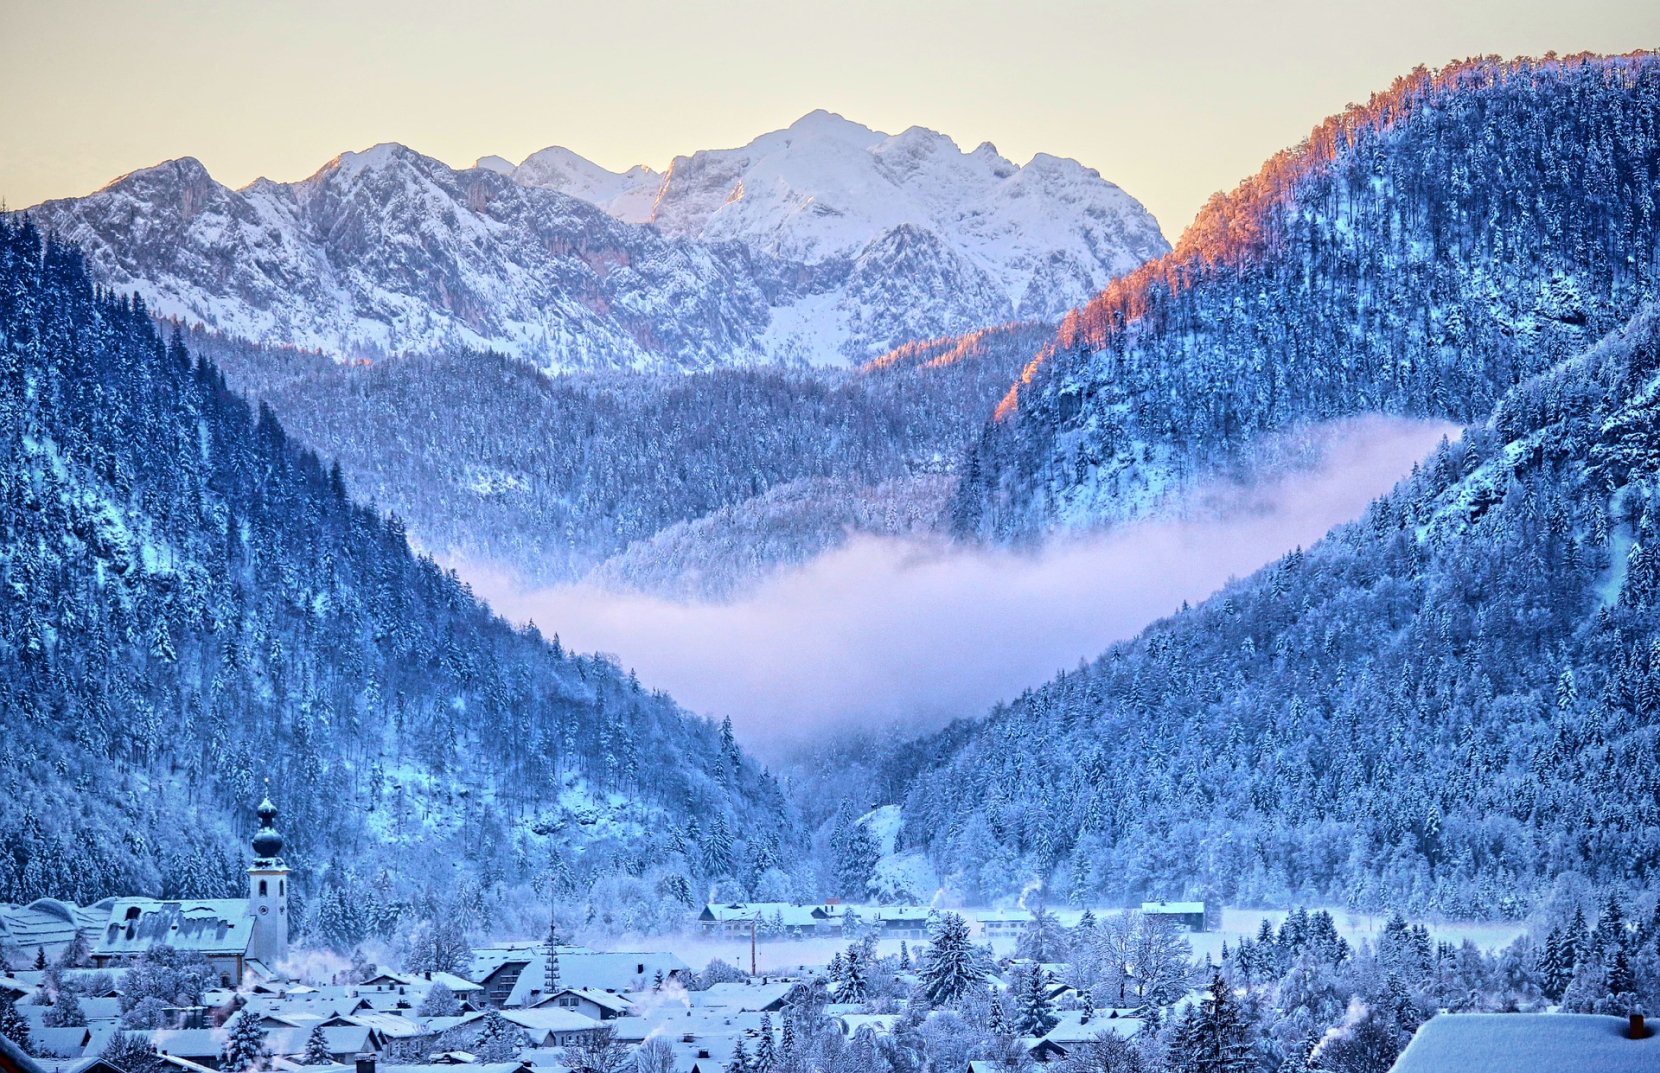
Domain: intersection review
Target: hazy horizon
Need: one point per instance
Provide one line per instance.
(1170, 115)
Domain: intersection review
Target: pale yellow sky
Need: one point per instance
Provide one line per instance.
(1172, 100)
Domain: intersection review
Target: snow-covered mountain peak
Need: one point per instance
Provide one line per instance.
(823, 242)
(168, 178)
(823, 124)
(629, 195)
(499, 165)
(352, 164)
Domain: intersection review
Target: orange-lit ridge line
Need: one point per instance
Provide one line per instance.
(1228, 232)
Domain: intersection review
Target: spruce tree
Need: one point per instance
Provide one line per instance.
(1622, 982)
(498, 1040)
(786, 1042)
(1555, 966)
(1213, 1037)
(1034, 1015)
(740, 1058)
(244, 1047)
(950, 968)
(855, 981)
(766, 1052)
(997, 1023)
(13, 1025)
(316, 1049)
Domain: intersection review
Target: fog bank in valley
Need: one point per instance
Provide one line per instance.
(915, 633)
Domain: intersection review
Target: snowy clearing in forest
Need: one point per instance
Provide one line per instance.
(912, 633)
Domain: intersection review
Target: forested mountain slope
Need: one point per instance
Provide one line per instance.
(1451, 704)
(191, 605)
(485, 459)
(1417, 255)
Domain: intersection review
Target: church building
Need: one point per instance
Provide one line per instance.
(237, 936)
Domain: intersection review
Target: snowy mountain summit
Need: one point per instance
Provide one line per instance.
(823, 243)
(1039, 239)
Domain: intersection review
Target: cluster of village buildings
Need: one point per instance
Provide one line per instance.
(633, 995)
(554, 997)
(378, 1025)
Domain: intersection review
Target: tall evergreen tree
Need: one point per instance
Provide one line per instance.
(244, 1047)
(13, 1025)
(951, 966)
(316, 1049)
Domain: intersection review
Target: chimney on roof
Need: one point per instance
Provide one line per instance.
(1638, 1029)
(365, 1063)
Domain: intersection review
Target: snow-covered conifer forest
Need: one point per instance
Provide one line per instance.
(253, 444)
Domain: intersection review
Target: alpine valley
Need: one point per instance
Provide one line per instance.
(240, 431)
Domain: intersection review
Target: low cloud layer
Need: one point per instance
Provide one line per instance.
(882, 632)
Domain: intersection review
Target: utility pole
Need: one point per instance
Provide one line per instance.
(752, 921)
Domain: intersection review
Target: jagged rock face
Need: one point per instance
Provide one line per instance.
(388, 251)
(823, 243)
(916, 238)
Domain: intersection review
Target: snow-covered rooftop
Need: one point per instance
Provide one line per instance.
(1527, 1043)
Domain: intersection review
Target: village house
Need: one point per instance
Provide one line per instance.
(735, 920)
(589, 1002)
(1189, 916)
(515, 976)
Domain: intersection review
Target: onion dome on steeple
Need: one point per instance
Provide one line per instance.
(267, 842)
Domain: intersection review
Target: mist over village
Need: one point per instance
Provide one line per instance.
(541, 539)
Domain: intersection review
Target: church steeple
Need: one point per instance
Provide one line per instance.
(267, 842)
(268, 891)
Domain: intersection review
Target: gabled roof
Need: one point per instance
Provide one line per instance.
(452, 981)
(1535, 1042)
(189, 1042)
(1183, 908)
(346, 1039)
(741, 996)
(794, 916)
(393, 1026)
(605, 1000)
(47, 922)
(220, 926)
(624, 971)
(69, 1042)
(545, 1019)
(1069, 1032)
(1001, 916)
